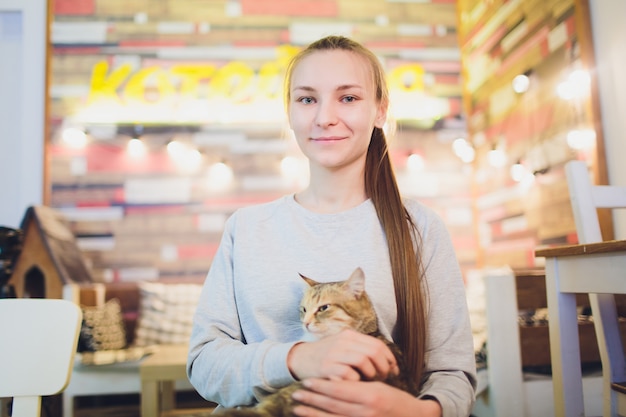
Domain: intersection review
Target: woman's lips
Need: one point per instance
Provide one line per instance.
(328, 139)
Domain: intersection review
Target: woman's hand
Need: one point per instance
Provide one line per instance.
(325, 398)
(348, 355)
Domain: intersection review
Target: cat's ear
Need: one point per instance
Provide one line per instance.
(309, 281)
(356, 282)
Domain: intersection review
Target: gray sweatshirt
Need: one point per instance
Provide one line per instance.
(247, 317)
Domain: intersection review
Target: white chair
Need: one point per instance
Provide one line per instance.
(39, 340)
(586, 199)
(579, 269)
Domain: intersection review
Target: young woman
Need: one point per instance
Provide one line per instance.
(246, 341)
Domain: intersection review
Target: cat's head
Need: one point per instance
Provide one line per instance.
(328, 308)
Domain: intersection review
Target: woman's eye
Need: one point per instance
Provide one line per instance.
(349, 99)
(306, 100)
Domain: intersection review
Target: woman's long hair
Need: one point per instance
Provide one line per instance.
(402, 236)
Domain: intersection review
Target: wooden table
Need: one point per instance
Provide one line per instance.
(594, 268)
(158, 372)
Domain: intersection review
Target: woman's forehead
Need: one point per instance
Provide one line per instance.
(336, 66)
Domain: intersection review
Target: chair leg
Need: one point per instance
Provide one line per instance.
(610, 347)
(619, 390)
(564, 346)
(26, 406)
(68, 405)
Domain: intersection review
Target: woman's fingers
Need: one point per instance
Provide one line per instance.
(320, 397)
(323, 398)
(371, 357)
(348, 355)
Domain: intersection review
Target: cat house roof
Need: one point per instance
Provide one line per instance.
(49, 250)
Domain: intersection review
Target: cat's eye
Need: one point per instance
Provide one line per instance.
(302, 309)
(323, 308)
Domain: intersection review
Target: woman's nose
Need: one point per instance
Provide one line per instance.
(326, 114)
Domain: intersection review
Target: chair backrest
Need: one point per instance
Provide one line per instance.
(39, 340)
(586, 198)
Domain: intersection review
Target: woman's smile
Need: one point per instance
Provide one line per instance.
(328, 138)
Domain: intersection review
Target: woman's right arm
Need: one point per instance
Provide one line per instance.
(221, 366)
(348, 355)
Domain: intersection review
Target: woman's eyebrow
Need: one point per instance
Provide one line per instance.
(349, 87)
(303, 87)
(339, 88)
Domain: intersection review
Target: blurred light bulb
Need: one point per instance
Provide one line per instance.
(468, 155)
(581, 139)
(575, 86)
(415, 162)
(580, 77)
(220, 176)
(521, 83)
(517, 172)
(136, 147)
(193, 160)
(497, 158)
(458, 145)
(464, 150)
(175, 148)
(289, 167)
(527, 180)
(74, 137)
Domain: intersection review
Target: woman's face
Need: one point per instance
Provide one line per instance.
(333, 108)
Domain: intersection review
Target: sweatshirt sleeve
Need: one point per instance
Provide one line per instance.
(221, 366)
(450, 375)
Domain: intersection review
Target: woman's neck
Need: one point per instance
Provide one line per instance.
(333, 192)
(328, 203)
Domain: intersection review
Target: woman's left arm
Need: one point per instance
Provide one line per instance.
(326, 398)
(450, 367)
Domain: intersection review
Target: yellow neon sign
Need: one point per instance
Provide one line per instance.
(183, 86)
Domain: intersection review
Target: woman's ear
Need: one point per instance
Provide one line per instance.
(381, 115)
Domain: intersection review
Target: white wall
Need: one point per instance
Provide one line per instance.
(609, 33)
(22, 102)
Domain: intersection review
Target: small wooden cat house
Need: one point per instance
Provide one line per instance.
(49, 258)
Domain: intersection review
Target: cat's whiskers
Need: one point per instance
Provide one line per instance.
(291, 327)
